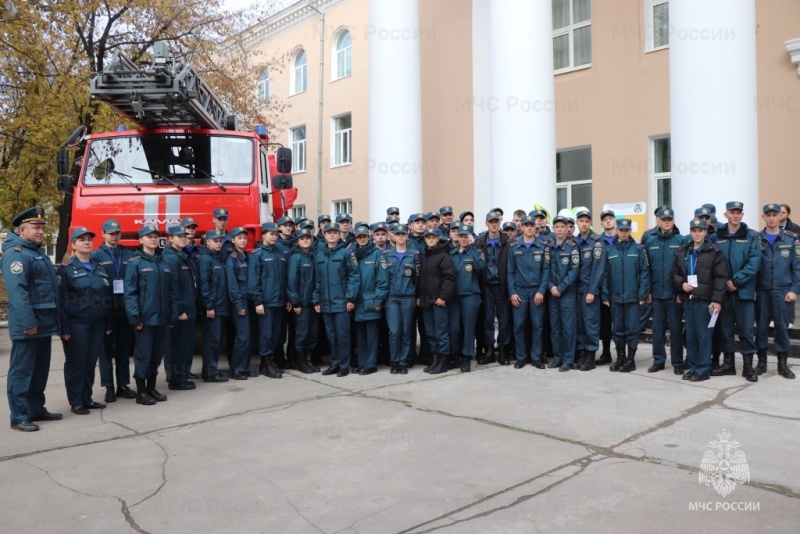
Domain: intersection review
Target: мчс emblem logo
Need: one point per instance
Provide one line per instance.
(723, 466)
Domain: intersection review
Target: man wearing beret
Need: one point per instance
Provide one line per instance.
(32, 287)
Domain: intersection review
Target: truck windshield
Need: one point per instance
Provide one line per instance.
(161, 159)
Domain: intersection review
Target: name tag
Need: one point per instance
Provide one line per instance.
(118, 287)
(692, 280)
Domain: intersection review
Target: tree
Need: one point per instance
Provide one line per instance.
(54, 49)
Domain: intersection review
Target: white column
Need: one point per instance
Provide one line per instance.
(523, 148)
(481, 116)
(395, 109)
(713, 107)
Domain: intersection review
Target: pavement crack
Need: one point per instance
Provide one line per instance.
(163, 472)
(129, 518)
(46, 472)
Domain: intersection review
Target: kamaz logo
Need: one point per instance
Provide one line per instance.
(157, 221)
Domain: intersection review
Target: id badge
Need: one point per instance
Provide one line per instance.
(692, 280)
(118, 287)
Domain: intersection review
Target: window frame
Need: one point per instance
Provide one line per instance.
(569, 30)
(293, 89)
(298, 212)
(335, 51)
(649, 26)
(336, 204)
(568, 184)
(655, 177)
(296, 149)
(263, 82)
(348, 132)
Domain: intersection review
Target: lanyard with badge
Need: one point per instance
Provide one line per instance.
(117, 262)
(692, 278)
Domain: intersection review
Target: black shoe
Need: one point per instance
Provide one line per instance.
(182, 387)
(699, 377)
(125, 392)
(193, 376)
(238, 376)
(564, 368)
(216, 378)
(519, 365)
(783, 366)
(110, 396)
(402, 370)
(588, 362)
(656, 367)
(251, 374)
(47, 416)
(159, 397)
(330, 371)
(94, 405)
(25, 426)
(538, 364)
(761, 367)
(503, 356)
(747, 368)
(356, 370)
(79, 410)
(687, 375)
(466, 364)
(343, 372)
(367, 371)
(677, 369)
(393, 370)
(630, 362)
(604, 359)
(728, 366)
(554, 364)
(145, 399)
(486, 357)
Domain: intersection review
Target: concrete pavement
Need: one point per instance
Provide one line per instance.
(496, 450)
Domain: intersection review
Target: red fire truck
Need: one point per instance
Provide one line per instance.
(185, 160)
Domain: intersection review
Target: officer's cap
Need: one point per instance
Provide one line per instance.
(698, 223)
(400, 229)
(33, 215)
(465, 229)
(454, 225)
(464, 214)
(734, 205)
(432, 231)
(446, 210)
(304, 232)
(393, 211)
(607, 213)
(493, 215)
(284, 220)
(500, 211)
(322, 218)
(771, 207)
(362, 230)
(583, 213)
(306, 224)
(392, 219)
(560, 219)
(220, 213)
(148, 229)
(702, 211)
(344, 217)
(710, 207)
(416, 217)
(269, 227)
(624, 224)
(360, 223)
(510, 225)
(379, 227)
(214, 234)
(79, 231)
(528, 219)
(665, 212)
(186, 222)
(712, 220)
(236, 231)
(329, 227)
(176, 230)
(432, 215)
(300, 221)
(533, 214)
(111, 226)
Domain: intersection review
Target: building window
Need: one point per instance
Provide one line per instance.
(342, 206)
(263, 87)
(656, 24)
(298, 212)
(661, 170)
(299, 72)
(572, 34)
(343, 61)
(574, 178)
(342, 140)
(297, 138)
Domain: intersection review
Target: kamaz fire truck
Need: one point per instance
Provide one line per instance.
(185, 160)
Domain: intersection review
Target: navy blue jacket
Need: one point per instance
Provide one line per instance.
(528, 268)
(300, 278)
(374, 283)
(627, 277)
(742, 252)
(403, 274)
(468, 265)
(113, 261)
(213, 283)
(183, 271)
(32, 289)
(83, 294)
(780, 264)
(564, 262)
(236, 275)
(593, 264)
(337, 279)
(267, 276)
(661, 249)
(151, 291)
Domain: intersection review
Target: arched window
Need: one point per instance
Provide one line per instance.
(343, 62)
(263, 87)
(299, 72)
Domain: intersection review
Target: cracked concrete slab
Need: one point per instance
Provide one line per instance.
(771, 395)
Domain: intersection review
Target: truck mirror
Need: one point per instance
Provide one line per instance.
(62, 163)
(284, 160)
(64, 183)
(77, 136)
(282, 181)
(103, 169)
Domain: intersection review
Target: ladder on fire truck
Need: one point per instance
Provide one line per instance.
(166, 94)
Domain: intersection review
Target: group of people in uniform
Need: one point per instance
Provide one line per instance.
(549, 294)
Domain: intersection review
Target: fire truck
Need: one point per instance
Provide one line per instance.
(186, 158)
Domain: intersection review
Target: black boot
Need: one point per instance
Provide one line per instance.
(588, 361)
(747, 368)
(783, 367)
(434, 363)
(279, 358)
(714, 362)
(728, 366)
(454, 362)
(303, 365)
(262, 368)
(273, 371)
(142, 396)
(439, 366)
(486, 356)
(502, 355)
(309, 363)
(620, 359)
(605, 356)
(466, 364)
(153, 392)
(630, 362)
(761, 368)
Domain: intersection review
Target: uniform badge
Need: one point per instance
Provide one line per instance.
(355, 261)
(587, 254)
(16, 267)
(537, 257)
(383, 263)
(468, 267)
(598, 251)
(408, 272)
(785, 253)
(565, 260)
(797, 250)
(575, 259)
(547, 257)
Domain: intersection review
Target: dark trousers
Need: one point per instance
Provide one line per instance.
(28, 369)
(463, 312)
(528, 318)
(588, 318)
(118, 348)
(383, 339)
(606, 332)
(305, 329)
(151, 344)
(667, 313)
(367, 342)
(400, 320)
(436, 325)
(738, 317)
(240, 352)
(698, 335)
(562, 327)
(496, 306)
(269, 331)
(771, 307)
(178, 363)
(424, 344)
(81, 351)
(625, 318)
(212, 339)
(337, 328)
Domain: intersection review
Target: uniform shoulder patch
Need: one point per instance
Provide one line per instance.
(16, 267)
(18, 248)
(791, 234)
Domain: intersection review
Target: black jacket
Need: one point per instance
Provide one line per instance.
(436, 275)
(711, 271)
(481, 244)
(792, 227)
